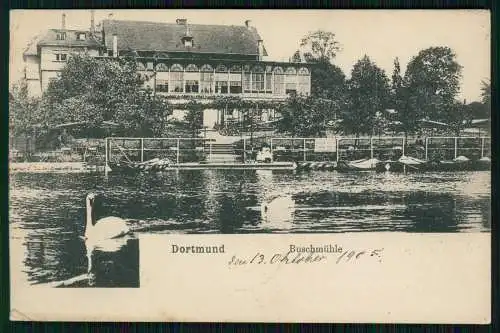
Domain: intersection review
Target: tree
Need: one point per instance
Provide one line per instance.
(24, 110)
(368, 93)
(320, 46)
(194, 117)
(478, 110)
(486, 93)
(432, 82)
(458, 117)
(305, 116)
(95, 90)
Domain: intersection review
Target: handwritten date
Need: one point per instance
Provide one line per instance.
(304, 258)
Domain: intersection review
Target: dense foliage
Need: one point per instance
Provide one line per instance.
(368, 95)
(94, 90)
(431, 85)
(24, 111)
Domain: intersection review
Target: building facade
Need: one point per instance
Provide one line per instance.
(179, 60)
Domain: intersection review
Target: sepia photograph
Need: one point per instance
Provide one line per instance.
(126, 124)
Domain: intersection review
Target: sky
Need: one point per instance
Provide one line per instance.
(381, 34)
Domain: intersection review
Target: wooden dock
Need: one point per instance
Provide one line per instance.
(204, 166)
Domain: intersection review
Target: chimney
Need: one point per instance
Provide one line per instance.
(92, 22)
(63, 21)
(181, 21)
(247, 23)
(115, 45)
(260, 46)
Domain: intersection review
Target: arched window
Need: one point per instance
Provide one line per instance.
(192, 79)
(221, 69)
(161, 68)
(176, 68)
(191, 68)
(206, 79)
(235, 68)
(176, 78)
(290, 80)
(303, 83)
(303, 71)
(278, 70)
(207, 68)
(258, 79)
(162, 78)
(279, 81)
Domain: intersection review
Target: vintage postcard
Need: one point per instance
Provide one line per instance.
(250, 166)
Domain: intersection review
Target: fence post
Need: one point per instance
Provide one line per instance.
(272, 147)
(142, 149)
(456, 141)
(426, 148)
(371, 147)
(178, 151)
(304, 150)
(337, 148)
(210, 157)
(482, 147)
(244, 150)
(106, 156)
(404, 143)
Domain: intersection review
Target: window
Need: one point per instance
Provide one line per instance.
(221, 87)
(257, 82)
(161, 85)
(303, 82)
(279, 81)
(176, 78)
(176, 81)
(191, 86)
(221, 81)
(246, 82)
(269, 78)
(192, 80)
(61, 36)
(206, 83)
(81, 36)
(61, 56)
(235, 83)
(291, 80)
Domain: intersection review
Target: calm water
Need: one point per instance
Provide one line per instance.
(47, 211)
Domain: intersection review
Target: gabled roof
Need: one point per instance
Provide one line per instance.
(167, 37)
(49, 38)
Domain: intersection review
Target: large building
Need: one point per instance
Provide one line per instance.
(180, 60)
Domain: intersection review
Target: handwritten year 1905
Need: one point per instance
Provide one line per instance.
(304, 258)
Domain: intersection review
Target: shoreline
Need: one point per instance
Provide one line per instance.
(53, 167)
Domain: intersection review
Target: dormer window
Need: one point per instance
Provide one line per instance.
(81, 36)
(61, 36)
(187, 39)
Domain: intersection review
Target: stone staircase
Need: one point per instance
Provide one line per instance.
(221, 153)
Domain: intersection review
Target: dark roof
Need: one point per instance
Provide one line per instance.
(167, 37)
(49, 38)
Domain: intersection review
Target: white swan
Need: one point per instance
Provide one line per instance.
(276, 209)
(105, 228)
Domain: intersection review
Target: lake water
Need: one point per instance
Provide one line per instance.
(47, 210)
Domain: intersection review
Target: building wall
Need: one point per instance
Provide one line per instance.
(41, 69)
(49, 54)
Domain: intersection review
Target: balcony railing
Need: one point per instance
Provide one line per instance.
(266, 96)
